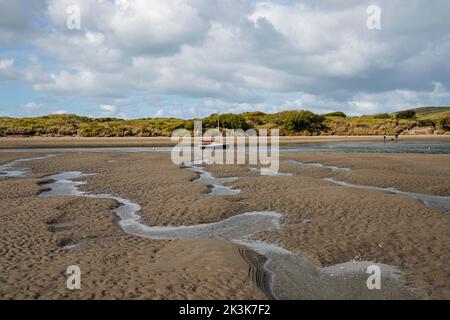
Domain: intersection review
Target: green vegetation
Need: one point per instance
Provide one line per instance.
(382, 116)
(301, 122)
(227, 121)
(336, 114)
(73, 125)
(407, 114)
(444, 123)
(430, 111)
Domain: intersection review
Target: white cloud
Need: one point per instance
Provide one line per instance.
(6, 63)
(61, 111)
(237, 54)
(108, 110)
(366, 103)
(156, 27)
(358, 104)
(31, 73)
(82, 83)
(159, 113)
(16, 18)
(32, 106)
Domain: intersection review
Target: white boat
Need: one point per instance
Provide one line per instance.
(209, 143)
(218, 146)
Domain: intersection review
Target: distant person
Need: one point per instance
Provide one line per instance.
(396, 137)
(384, 138)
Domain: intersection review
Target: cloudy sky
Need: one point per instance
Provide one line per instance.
(188, 58)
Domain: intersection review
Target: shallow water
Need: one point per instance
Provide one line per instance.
(295, 278)
(290, 276)
(9, 170)
(218, 186)
(430, 147)
(91, 149)
(63, 184)
(236, 227)
(76, 245)
(316, 165)
(268, 172)
(437, 202)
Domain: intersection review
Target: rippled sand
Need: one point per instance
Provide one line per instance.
(324, 223)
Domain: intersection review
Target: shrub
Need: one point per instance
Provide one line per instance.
(426, 123)
(382, 116)
(233, 121)
(303, 121)
(189, 125)
(336, 114)
(122, 131)
(228, 121)
(289, 122)
(407, 114)
(257, 117)
(444, 123)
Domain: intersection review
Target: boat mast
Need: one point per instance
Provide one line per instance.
(218, 120)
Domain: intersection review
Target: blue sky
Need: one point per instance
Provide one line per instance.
(191, 58)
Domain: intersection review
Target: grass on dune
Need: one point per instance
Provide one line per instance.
(298, 122)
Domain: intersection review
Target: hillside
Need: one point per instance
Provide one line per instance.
(430, 120)
(429, 112)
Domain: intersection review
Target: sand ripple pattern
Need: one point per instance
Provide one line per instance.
(436, 202)
(233, 228)
(278, 272)
(236, 227)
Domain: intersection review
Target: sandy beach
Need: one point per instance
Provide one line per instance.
(113, 264)
(232, 158)
(322, 222)
(110, 142)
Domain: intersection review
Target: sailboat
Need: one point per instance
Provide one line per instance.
(210, 142)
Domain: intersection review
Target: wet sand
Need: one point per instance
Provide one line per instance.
(109, 142)
(324, 223)
(33, 261)
(329, 224)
